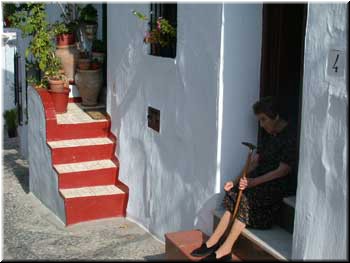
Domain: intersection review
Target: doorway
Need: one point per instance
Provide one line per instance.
(282, 64)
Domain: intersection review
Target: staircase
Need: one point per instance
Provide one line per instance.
(82, 151)
(252, 245)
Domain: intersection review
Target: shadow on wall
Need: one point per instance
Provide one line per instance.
(202, 221)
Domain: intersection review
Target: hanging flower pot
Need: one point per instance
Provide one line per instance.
(60, 99)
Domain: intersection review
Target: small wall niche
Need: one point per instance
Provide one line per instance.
(153, 118)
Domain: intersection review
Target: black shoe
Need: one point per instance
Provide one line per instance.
(203, 250)
(212, 257)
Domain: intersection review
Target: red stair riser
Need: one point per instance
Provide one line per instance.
(75, 99)
(94, 207)
(82, 153)
(77, 131)
(87, 178)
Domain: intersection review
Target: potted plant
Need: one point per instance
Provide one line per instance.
(55, 75)
(161, 36)
(31, 20)
(58, 84)
(88, 17)
(11, 122)
(95, 63)
(98, 50)
(84, 60)
(66, 29)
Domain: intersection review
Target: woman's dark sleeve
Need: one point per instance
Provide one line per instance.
(288, 152)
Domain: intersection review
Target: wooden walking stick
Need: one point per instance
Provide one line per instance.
(244, 174)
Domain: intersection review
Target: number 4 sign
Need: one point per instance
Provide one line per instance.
(336, 63)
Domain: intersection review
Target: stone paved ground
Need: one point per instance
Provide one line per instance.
(32, 232)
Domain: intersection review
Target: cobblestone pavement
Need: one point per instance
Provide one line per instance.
(32, 232)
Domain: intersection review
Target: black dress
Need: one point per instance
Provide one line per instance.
(259, 205)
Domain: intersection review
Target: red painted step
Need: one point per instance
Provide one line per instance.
(81, 150)
(179, 245)
(78, 131)
(92, 173)
(91, 203)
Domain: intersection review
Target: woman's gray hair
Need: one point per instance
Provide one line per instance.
(267, 105)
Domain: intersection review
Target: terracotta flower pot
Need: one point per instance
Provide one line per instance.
(65, 39)
(95, 65)
(89, 84)
(60, 100)
(56, 85)
(84, 63)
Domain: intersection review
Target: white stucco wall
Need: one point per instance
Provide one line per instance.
(8, 74)
(241, 84)
(321, 219)
(171, 174)
(43, 180)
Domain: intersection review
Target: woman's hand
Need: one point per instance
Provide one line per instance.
(247, 183)
(228, 186)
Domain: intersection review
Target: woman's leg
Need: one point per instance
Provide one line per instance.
(226, 247)
(220, 229)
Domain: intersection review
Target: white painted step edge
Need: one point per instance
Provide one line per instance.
(80, 142)
(91, 191)
(84, 166)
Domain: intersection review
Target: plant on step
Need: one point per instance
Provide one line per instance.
(65, 29)
(54, 72)
(11, 121)
(32, 21)
(163, 33)
(98, 45)
(87, 14)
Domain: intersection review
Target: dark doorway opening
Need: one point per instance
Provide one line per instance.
(282, 63)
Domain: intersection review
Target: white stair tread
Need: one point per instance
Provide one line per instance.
(79, 142)
(276, 241)
(290, 200)
(84, 166)
(91, 191)
(75, 114)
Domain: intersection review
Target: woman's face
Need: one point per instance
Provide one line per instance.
(267, 123)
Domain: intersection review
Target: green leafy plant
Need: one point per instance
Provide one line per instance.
(70, 24)
(88, 14)
(10, 117)
(31, 20)
(163, 33)
(98, 45)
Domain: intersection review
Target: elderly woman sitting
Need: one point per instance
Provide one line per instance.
(264, 187)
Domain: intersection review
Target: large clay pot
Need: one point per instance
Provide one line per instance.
(89, 83)
(60, 100)
(69, 57)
